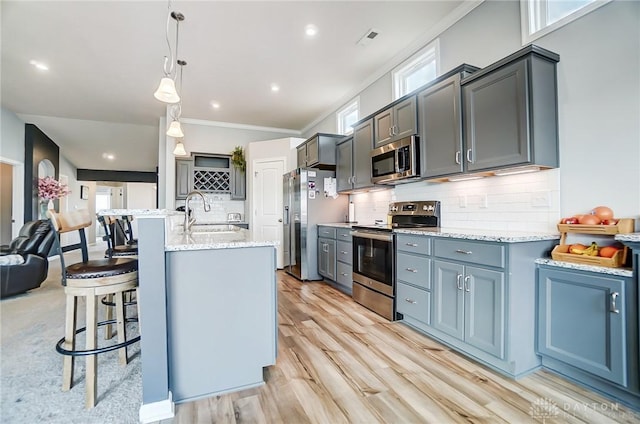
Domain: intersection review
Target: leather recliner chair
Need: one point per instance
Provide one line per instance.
(33, 243)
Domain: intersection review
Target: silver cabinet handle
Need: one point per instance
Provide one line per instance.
(411, 270)
(325, 247)
(406, 299)
(459, 281)
(412, 244)
(466, 283)
(458, 155)
(343, 252)
(346, 235)
(469, 158)
(344, 274)
(613, 307)
(464, 252)
(394, 130)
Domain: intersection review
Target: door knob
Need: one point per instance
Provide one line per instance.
(280, 220)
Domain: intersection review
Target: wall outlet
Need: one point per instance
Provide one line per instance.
(540, 199)
(483, 201)
(462, 201)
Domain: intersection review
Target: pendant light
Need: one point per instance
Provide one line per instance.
(179, 150)
(166, 91)
(175, 129)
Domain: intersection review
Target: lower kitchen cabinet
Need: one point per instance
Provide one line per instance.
(479, 296)
(469, 305)
(335, 256)
(587, 329)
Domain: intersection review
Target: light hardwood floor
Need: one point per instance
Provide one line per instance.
(340, 363)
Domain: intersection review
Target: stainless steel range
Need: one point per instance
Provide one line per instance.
(374, 254)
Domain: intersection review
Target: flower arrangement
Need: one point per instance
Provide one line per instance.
(50, 189)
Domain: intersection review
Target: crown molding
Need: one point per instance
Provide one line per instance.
(239, 126)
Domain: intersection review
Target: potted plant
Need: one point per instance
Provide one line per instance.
(237, 158)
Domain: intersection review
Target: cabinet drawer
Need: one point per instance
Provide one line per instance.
(414, 269)
(414, 244)
(469, 251)
(343, 275)
(343, 252)
(414, 302)
(326, 232)
(343, 234)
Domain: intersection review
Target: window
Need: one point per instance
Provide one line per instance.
(416, 71)
(347, 116)
(540, 17)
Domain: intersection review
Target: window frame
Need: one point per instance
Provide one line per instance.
(530, 17)
(345, 111)
(409, 67)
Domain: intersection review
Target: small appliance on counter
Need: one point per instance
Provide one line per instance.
(373, 254)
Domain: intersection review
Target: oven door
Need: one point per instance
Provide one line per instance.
(373, 260)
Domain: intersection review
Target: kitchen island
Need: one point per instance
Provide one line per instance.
(207, 310)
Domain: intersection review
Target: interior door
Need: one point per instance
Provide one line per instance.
(268, 204)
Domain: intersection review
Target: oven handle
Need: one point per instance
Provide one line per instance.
(374, 236)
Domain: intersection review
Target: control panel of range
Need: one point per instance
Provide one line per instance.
(424, 207)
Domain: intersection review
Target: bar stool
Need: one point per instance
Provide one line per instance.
(90, 279)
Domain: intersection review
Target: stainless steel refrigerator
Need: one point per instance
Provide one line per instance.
(305, 206)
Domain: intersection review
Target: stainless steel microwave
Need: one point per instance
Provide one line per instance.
(397, 162)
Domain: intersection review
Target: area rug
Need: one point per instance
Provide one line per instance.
(31, 369)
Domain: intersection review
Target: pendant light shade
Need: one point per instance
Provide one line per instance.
(179, 150)
(175, 129)
(166, 91)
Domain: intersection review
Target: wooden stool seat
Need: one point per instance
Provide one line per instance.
(91, 279)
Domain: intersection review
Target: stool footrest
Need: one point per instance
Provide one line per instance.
(64, 351)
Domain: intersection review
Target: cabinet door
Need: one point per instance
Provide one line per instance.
(238, 184)
(383, 125)
(327, 258)
(313, 151)
(448, 298)
(362, 146)
(184, 178)
(582, 322)
(440, 123)
(484, 310)
(404, 119)
(302, 156)
(344, 167)
(496, 118)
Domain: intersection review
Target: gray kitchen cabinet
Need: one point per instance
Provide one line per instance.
(469, 305)
(344, 165)
(395, 122)
(184, 177)
(440, 124)
(587, 328)
(511, 112)
(318, 151)
(413, 277)
(481, 296)
(238, 184)
(335, 256)
(362, 146)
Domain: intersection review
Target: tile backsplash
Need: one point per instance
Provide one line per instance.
(221, 205)
(524, 202)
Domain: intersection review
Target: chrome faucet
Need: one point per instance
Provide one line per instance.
(188, 221)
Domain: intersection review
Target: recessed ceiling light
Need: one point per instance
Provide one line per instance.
(108, 156)
(275, 87)
(311, 30)
(39, 65)
(215, 105)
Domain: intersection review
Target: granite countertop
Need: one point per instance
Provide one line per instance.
(482, 235)
(622, 272)
(633, 237)
(159, 213)
(339, 224)
(208, 237)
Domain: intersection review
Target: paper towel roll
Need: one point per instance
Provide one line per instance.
(352, 212)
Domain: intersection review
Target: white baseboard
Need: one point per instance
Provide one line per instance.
(156, 411)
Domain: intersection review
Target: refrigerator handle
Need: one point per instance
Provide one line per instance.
(286, 215)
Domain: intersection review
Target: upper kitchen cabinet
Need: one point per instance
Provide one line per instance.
(353, 172)
(184, 177)
(395, 122)
(319, 151)
(511, 113)
(238, 184)
(440, 124)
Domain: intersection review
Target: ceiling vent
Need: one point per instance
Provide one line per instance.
(368, 36)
